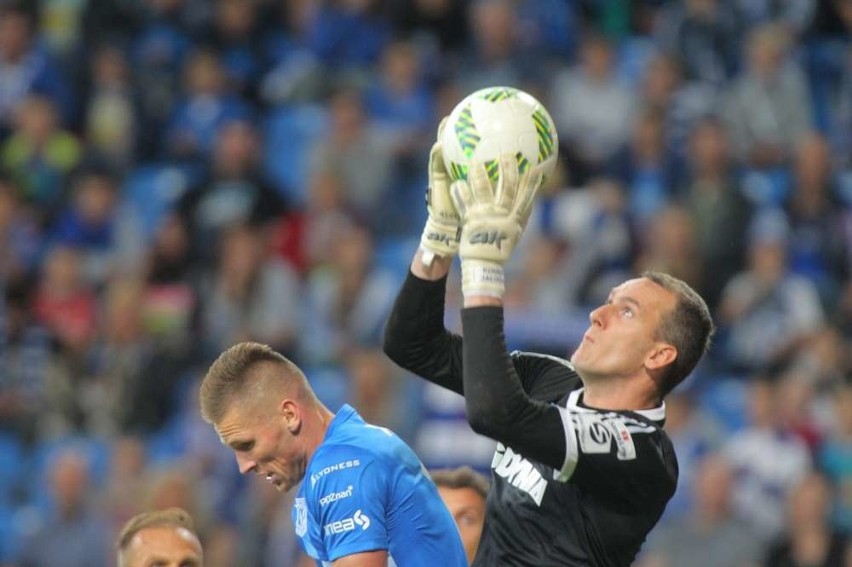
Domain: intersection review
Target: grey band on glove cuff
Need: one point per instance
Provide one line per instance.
(482, 278)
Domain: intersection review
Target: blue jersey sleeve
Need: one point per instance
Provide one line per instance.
(349, 506)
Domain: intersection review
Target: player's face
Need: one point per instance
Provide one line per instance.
(468, 510)
(620, 339)
(164, 546)
(264, 443)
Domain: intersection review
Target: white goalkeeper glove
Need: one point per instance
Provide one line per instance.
(441, 234)
(493, 219)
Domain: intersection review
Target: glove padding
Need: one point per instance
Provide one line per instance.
(441, 234)
(493, 219)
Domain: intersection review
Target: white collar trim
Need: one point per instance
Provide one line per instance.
(654, 414)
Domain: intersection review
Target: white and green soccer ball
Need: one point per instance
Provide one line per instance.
(495, 121)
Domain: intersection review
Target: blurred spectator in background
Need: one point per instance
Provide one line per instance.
(670, 246)
(495, 50)
(646, 168)
(768, 108)
(710, 535)
(464, 492)
(235, 36)
(434, 25)
(327, 218)
(232, 190)
(26, 358)
(375, 389)
(207, 105)
(171, 295)
(250, 295)
(818, 248)
(768, 461)
(164, 537)
(20, 235)
(89, 223)
(111, 124)
(39, 153)
(809, 538)
(704, 35)
(293, 72)
(768, 311)
(346, 300)
(835, 458)
(793, 15)
(680, 102)
(26, 68)
(352, 141)
(73, 532)
(595, 225)
(125, 481)
(65, 303)
(266, 529)
(592, 109)
(400, 103)
(349, 35)
(720, 212)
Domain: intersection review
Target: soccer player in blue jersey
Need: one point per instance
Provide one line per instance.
(365, 499)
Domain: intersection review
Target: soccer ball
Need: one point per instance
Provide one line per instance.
(495, 121)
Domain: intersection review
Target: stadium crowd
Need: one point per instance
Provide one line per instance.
(180, 175)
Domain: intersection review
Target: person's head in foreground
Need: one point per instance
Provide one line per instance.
(647, 337)
(165, 538)
(464, 492)
(263, 408)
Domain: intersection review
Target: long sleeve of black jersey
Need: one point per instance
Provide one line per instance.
(497, 403)
(415, 336)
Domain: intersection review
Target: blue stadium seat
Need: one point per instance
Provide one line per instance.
(290, 134)
(151, 191)
(11, 467)
(767, 188)
(329, 383)
(394, 254)
(726, 398)
(8, 536)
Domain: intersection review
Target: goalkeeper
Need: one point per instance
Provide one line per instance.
(583, 469)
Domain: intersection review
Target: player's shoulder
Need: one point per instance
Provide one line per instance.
(524, 355)
(545, 376)
(336, 460)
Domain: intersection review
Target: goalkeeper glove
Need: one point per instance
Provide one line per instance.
(441, 234)
(493, 219)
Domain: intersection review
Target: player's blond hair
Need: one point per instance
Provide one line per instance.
(233, 376)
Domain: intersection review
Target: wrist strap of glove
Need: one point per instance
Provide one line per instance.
(480, 277)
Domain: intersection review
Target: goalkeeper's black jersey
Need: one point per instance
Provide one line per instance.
(571, 485)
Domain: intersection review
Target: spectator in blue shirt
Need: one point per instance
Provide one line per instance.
(366, 499)
(206, 107)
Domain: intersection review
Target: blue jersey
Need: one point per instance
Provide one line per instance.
(366, 490)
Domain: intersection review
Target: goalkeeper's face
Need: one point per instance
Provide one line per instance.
(265, 441)
(621, 339)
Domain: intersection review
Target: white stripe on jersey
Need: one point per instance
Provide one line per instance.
(562, 361)
(572, 452)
